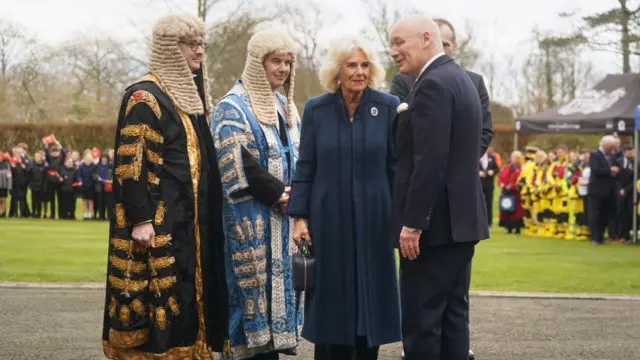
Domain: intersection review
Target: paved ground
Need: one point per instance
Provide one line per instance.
(65, 324)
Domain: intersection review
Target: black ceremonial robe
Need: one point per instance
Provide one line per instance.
(170, 301)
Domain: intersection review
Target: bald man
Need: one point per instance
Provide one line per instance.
(401, 83)
(438, 206)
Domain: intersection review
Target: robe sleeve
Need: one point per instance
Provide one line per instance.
(302, 183)
(138, 154)
(263, 186)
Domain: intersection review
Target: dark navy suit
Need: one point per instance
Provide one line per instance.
(437, 189)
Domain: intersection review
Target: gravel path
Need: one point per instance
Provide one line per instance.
(65, 324)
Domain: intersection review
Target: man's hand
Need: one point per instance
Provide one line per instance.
(144, 235)
(615, 170)
(490, 172)
(300, 230)
(284, 199)
(410, 243)
(482, 174)
(622, 192)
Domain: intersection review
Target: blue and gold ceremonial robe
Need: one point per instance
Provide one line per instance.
(265, 314)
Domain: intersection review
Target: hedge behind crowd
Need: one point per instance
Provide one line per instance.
(102, 135)
(71, 136)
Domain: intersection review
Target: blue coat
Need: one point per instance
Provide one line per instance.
(342, 185)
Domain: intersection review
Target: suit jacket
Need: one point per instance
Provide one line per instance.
(625, 177)
(488, 182)
(437, 187)
(602, 183)
(401, 87)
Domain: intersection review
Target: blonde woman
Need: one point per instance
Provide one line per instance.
(342, 189)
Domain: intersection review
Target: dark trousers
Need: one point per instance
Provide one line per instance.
(53, 192)
(344, 352)
(99, 205)
(37, 198)
(67, 199)
(625, 217)
(19, 207)
(602, 212)
(435, 307)
(488, 200)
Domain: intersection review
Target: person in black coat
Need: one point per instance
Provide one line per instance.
(67, 197)
(20, 175)
(605, 170)
(625, 195)
(37, 184)
(488, 171)
(438, 206)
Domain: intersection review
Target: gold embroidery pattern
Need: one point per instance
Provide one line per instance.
(237, 232)
(128, 339)
(161, 263)
(113, 304)
(127, 149)
(119, 353)
(121, 221)
(158, 285)
(127, 266)
(235, 139)
(138, 307)
(193, 152)
(133, 130)
(124, 172)
(154, 157)
(142, 96)
(161, 318)
(127, 285)
(173, 305)
(125, 315)
(229, 176)
(128, 246)
(259, 227)
(247, 228)
(250, 308)
(162, 240)
(152, 178)
(262, 305)
(251, 254)
(225, 160)
(253, 268)
(255, 153)
(254, 282)
(160, 210)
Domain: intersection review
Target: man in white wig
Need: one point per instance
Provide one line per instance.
(256, 133)
(166, 295)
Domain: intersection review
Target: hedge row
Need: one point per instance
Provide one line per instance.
(71, 136)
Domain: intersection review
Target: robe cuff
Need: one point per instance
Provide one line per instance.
(139, 213)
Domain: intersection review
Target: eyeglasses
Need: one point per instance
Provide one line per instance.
(194, 45)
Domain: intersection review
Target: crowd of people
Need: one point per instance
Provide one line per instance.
(566, 194)
(55, 178)
(211, 203)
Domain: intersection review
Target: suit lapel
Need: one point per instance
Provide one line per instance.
(437, 62)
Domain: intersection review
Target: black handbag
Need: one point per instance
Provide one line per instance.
(303, 266)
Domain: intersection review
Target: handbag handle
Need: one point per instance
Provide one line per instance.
(304, 247)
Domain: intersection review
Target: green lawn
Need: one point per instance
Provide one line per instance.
(75, 251)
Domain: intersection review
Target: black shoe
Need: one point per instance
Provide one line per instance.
(472, 356)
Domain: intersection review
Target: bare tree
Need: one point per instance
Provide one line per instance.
(467, 53)
(621, 22)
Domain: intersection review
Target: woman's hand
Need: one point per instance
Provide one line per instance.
(300, 230)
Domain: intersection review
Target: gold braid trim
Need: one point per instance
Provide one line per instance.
(138, 307)
(113, 304)
(142, 96)
(127, 149)
(124, 172)
(162, 240)
(173, 305)
(158, 285)
(118, 353)
(127, 285)
(128, 246)
(226, 159)
(133, 130)
(154, 157)
(152, 178)
(162, 263)
(121, 221)
(128, 339)
(160, 211)
(153, 136)
(127, 266)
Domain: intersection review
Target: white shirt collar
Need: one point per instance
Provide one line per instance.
(429, 63)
